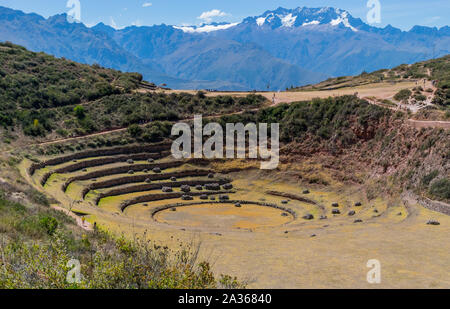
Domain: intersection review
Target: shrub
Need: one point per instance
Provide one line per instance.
(79, 111)
(50, 224)
(110, 264)
(135, 130)
(38, 197)
(402, 95)
(37, 225)
(441, 188)
(428, 178)
(420, 97)
(38, 257)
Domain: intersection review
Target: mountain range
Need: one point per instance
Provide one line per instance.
(278, 49)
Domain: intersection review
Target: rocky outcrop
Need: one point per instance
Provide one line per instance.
(435, 205)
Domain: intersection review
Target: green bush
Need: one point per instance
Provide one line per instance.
(420, 97)
(441, 189)
(140, 266)
(79, 112)
(323, 118)
(428, 178)
(403, 95)
(135, 130)
(38, 197)
(50, 224)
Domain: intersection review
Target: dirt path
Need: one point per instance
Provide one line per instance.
(84, 225)
(79, 137)
(419, 124)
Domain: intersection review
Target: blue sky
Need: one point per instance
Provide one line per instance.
(400, 13)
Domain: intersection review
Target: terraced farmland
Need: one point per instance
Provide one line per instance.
(264, 226)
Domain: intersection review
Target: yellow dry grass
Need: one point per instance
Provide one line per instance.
(223, 216)
(379, 90)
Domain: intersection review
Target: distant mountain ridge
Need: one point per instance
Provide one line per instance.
(278, 49)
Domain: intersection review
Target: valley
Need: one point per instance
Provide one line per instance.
(87, 171)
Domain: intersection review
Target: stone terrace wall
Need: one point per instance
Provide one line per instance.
(166, 196)
(156, 186)
(285, 209)
(435, 205)
(99, 153)
(292, 196)
(126, 168)
(141, 178)
(102, 161)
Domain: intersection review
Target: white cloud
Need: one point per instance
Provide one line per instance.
(147, 4)
(209, 15)
(112, 23)
(137, 23)
(432, 19)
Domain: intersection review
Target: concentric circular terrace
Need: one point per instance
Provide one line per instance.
(143, 182)
(284, 234)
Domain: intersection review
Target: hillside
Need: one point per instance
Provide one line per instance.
(45, 96)
(62, 98)
(57, 99)
(38, 243)
(36, 87)
(42, 95)
(422, 88)
(435, 69)
(354, 138)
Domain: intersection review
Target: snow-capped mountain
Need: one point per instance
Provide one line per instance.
(301, 17)
(288, 18)
(274, 50)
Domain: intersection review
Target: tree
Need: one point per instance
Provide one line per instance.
(135, 130)
(403, 95)
(79, 111)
